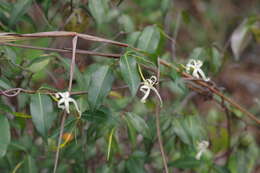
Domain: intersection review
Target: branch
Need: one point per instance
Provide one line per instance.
(214, 90)
(72, 68)
(59, 142)
(158, 129)
(8, 37)
(78, 51)
(15, 91)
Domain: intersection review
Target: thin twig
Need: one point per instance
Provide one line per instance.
(78, 51)
(15, 91)
(229, 133)
(158, 129)
(59, 142)
(72, 67)
(7, 37)
(72, 64)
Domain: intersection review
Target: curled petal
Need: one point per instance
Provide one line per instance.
(58, 95)
(67, 105)
(195, 73)
(195, 65)
(198, 155)
(146, 90)
(76, 106)
(65, 100)
(203, 76)
(202, 147)
(153, 80)
(158, 95)
(61, 104)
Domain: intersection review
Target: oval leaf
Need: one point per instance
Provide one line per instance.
(42, 113)
(189, 129)
(240, 39)
(29, 165)
(19, 9)
(100, 85)
(5, 136)
(129, 72)
(138, 124)
(38, 64)
(185, 163)
(149, 39)
(98, 9)
(4, 83)
(77, 74)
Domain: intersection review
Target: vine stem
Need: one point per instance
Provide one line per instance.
(72, 66)
(158, 128)
(213, 89)
(64, 50)
(56, 161)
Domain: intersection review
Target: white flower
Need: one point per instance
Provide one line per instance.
(146, 88)
(202, 147)
(64, 101)
(194, 66)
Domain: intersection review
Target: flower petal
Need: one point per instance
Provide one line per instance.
(158, 95)
(146, 90)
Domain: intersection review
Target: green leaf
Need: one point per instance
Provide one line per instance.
(39, 63)
(4, 84)
(149, 39)
(131, 132)
(4, 107)
(5, 136)
(42, 113)
(132, 38)
(198, 53)
(215, 60)
(29, 165)
(21, 115)
(244, 159)
(100, 85)
(102, 115)
(186, 16)
(129, 72)
(180, 131)
(98, 9)
(240, 39)
(256, 31)
(138, 123)
(69, 124)
(127, 23)
(185, 163)
(221, 169)
(189, 129)
(19, 9)
(165, 5)
(87, 74)
(77, 74)
(135, 163)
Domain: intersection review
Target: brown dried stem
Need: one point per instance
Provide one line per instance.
(158, 128)
(84, 52)
(8, 37)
